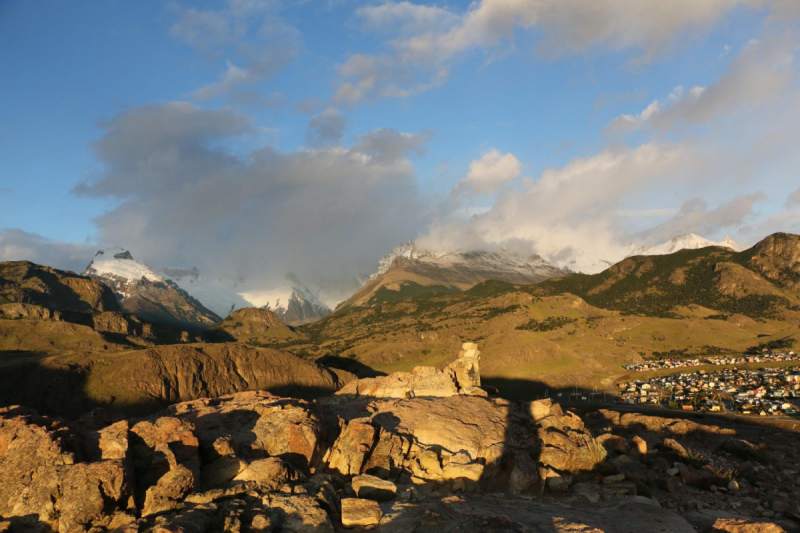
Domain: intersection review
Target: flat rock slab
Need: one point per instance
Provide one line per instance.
(358, 512)
(510, 513)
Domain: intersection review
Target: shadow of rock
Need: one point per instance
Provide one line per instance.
(350, 365)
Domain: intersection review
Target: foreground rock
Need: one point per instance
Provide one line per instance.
(254, 461)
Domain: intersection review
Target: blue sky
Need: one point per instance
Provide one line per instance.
(345, 127)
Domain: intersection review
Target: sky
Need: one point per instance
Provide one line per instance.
(256, 138)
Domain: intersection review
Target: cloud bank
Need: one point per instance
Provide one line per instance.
(323, 214)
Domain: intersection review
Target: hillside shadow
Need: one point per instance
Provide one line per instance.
(217, 335)
(60, 389)
(350, 365)
(28, 523)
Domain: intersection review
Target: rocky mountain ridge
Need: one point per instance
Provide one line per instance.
(409, 270)
(292, 301)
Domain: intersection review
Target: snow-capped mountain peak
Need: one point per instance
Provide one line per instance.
(119, 266)
(690, 241)
(384, 263)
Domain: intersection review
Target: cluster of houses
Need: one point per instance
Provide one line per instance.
(762, 392)
(665, 364)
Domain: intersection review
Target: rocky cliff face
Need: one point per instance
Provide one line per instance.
(444, 455)
(778, 258)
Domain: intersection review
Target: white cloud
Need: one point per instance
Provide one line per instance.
(426, 41)
(695, 217)
(203, 30)
(19, 245)
(229, 80)
(256, 42)
(794, 199)
(761, 72)
(406, 18)
(568, 208)
(489, 173)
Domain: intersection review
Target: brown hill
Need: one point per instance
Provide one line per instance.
(778, 258)
(251, 326)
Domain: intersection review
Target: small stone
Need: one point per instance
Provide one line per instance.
(613, 479)
(471, 471)
(270, 472)
(673, 484)
(558, 484)
(613, 443)
(673, 472)
(767, 513)
(638, 446)
(733, 485)
(221, 471)
(540, 409)
(358, 512)
(260, 523)
(374, 488)
(780, 507)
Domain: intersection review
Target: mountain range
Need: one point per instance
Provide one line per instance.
(407, 270)
(570, 329)
(187, 299)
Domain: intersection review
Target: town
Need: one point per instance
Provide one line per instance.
(666, 364)
(756, 392)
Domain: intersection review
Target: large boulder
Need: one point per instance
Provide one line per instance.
(44, 483)
(567, 446)
(258, 425)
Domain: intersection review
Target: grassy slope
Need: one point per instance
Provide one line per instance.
(694, 302)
